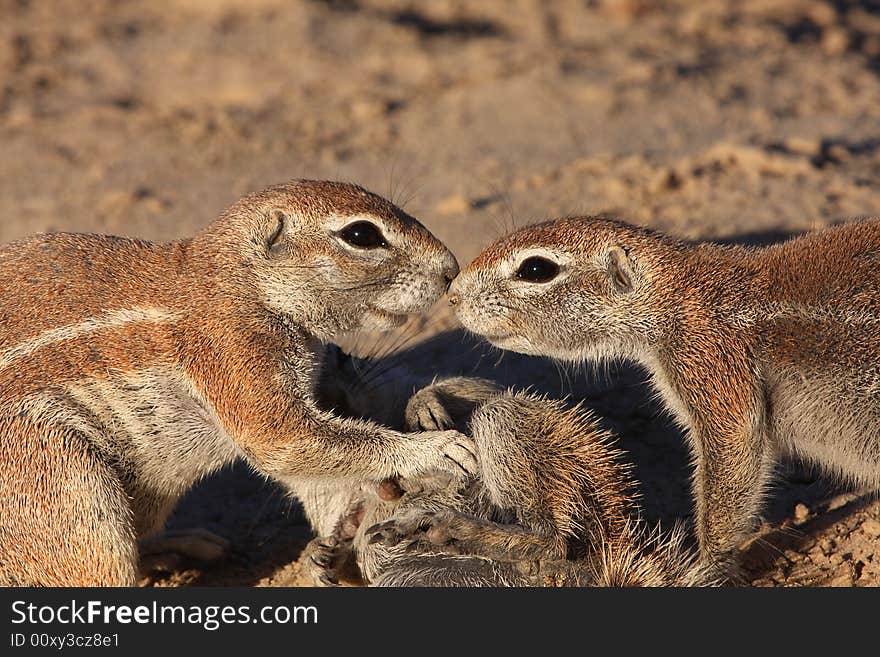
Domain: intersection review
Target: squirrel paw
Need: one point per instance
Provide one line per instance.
(417, 528)
(426, 411)
(322, 558)
(453, 453)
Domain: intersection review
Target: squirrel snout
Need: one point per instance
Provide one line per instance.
(453, 292)
(450, 270)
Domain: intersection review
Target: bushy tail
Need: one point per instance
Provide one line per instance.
(641, 556)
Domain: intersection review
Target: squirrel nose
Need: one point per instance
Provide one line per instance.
(450, 271)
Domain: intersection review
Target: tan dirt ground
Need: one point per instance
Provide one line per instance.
(737, 120)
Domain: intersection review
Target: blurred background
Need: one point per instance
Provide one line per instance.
(734, 120)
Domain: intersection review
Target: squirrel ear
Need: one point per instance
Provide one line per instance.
(620, 269)
(276, 225)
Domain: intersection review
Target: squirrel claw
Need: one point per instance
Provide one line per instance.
(320, 560)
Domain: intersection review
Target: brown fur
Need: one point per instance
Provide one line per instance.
(552, 507)
(756, 352)
(130, 370)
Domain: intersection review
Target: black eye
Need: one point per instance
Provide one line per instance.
(363, 235)
(537, 270)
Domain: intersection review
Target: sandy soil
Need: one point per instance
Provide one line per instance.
(743, 120)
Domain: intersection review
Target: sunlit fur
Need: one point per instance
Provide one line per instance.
(549, 476)
(130, 370)
(755, 351)
(552, 507)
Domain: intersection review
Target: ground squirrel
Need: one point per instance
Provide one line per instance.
(552, 505)
(130, 370)
(757, 352)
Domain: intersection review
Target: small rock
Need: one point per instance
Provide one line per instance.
(835, 41)
(624, 10)
(801, 512)
(871, 527)
(837, 153)
(840, 501)
(822, 14)
(827, 546)
(803, 146)
(368, 108)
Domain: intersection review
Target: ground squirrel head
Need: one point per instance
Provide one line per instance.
(333, 257)
(573, 289)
